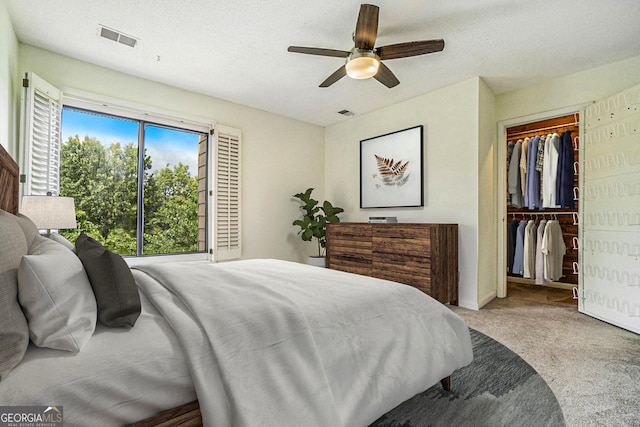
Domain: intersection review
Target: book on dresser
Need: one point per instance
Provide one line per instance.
(424, 256)
(383, 219)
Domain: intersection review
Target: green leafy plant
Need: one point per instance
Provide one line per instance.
(315, 218)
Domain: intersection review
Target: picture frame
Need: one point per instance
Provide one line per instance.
(391, 170)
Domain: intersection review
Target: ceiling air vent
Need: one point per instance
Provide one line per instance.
(346, 113)
(117, 36)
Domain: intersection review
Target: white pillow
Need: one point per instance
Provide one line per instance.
(56, 297)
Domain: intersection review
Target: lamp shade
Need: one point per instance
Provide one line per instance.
(362, 64)
(49, 212)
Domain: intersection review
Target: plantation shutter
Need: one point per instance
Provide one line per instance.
(40, 136)
(227, 230)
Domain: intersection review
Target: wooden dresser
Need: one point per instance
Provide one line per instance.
(424, 256)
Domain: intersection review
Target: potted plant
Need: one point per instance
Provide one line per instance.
(314, 222)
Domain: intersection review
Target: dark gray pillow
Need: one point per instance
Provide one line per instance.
(112, 282)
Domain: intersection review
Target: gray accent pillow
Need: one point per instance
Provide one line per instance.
(29, 229)
(63, 241)
(56, 297)
(112, 282)
(14, 331)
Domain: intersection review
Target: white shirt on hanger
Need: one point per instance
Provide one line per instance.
(550, 171)
(539, 255)
(529, 250)
(554, 249)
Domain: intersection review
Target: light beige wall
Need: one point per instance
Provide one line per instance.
(574, 89)
(487, 242)
(280, 156)
(450, 120)
(9, 86)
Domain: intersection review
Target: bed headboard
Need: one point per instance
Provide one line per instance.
(9, 182)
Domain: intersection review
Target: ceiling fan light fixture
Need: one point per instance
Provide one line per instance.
(362, 64)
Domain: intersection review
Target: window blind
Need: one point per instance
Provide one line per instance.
(227, 229)
(40, 148)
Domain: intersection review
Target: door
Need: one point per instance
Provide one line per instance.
(609, 288)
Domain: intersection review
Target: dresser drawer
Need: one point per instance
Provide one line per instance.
(349, 248)
(391, 239)
(402, 231)
(342, 230)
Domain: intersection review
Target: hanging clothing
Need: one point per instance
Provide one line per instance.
(513, 178)
(532, 196)
(523, 166)
(550, 172)
(512, 231)
(529, 258)
(510, 145)
(539, 255)
(540, 160)
(553, 249)
(518, 258)
(540, 153)
(564, 183)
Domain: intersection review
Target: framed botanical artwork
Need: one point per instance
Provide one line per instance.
(391, 171)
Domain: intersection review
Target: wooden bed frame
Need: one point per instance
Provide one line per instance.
(187, 415)
(9, 182)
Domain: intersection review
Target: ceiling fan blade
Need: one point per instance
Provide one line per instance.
(318, 51)
(366, 27)
(337, 75)
(386, 77)
(404, 50)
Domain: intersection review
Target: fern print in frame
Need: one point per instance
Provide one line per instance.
(391, 171)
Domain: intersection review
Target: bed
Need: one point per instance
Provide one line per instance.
(242, 343)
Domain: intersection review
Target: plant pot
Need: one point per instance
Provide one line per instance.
(318, 261)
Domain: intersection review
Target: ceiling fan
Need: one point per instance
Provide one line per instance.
(364, 60)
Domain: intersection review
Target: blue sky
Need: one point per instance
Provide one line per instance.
(163, 145)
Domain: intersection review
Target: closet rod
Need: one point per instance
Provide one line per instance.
(541, 213)
(541, 129)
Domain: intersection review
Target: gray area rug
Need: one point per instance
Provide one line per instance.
(497, 389)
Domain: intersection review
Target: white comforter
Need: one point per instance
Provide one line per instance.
(122, 375)
(275, 343)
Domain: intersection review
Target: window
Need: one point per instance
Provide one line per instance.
(135, 183)
(141, 180)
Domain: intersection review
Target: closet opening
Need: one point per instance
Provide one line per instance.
(542, 194)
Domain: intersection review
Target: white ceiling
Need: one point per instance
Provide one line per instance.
(237, 49)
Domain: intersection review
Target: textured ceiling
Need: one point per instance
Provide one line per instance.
(237, 49)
